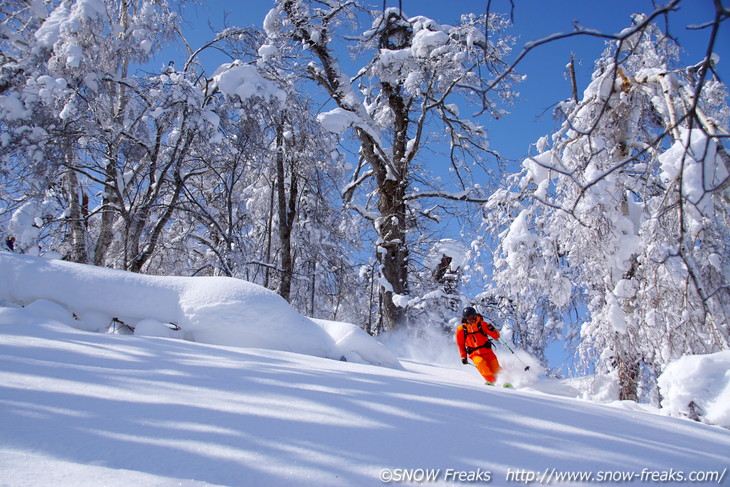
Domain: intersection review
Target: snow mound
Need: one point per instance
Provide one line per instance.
(357, 346)
(698, 387)
(213, 310)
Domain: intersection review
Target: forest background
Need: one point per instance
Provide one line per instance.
(362, 161)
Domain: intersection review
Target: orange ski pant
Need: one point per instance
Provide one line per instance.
(487, 365)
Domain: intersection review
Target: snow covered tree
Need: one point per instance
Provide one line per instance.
(175, 172)
(265, 205)
(74, 113)
(403, 95)
(623, 213)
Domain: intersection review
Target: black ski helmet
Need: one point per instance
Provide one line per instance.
(468, 311)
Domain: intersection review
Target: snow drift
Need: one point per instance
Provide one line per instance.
(214, 310)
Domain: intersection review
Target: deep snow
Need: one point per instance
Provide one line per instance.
(83, 408)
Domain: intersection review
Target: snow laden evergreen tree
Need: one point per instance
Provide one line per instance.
(622, 216)
(403, 95)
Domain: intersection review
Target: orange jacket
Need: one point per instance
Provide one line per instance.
(473, 338)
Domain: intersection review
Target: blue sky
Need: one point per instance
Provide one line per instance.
(546, 83)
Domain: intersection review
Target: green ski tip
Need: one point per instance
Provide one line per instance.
(508, 386)
(489, 383)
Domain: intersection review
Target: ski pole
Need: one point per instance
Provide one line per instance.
(527, 367)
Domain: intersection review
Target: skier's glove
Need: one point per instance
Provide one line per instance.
(465, 361)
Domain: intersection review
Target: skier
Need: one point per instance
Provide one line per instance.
(473, 337)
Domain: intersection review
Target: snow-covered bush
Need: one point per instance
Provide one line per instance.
(698, 387)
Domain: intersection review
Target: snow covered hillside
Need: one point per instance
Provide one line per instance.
(83, 408)
(214, 310)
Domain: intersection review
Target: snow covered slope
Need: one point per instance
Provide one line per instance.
(81, 408)
(89, 409)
